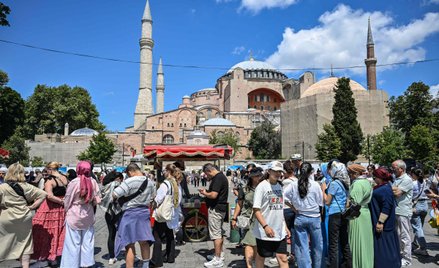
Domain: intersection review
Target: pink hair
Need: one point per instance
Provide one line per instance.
(83, 170)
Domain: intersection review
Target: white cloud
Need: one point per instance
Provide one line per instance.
(257, 5)
(340, 40)
(434, 90)
(238, 50)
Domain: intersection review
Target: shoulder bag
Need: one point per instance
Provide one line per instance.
(165, 210)
(243, 222)
(115, 208)
(351, 212)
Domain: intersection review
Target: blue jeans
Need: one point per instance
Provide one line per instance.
(289, 216)
(417, 222)
(304, 227)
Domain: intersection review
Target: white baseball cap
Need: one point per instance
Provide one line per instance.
(276, 166)
(296, 157)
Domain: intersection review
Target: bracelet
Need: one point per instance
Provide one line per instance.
(380, 222)
(263, 227)
(233, 219)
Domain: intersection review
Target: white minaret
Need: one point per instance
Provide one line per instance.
(144, 101)
(160, 89)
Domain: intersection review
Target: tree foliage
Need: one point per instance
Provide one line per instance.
(225, 137)
(4, 11)
(422, 143)
(49, 108)
(11, 110)
(328, 145)
(265, 141)
(4, 79)
(345, 121)
(101, 150)
(414, 107)
(388, 146)
(18, 151)
(37, 161)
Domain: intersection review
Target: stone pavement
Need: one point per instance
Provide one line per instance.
(193, 255)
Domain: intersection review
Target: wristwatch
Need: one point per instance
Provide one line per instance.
(380, 222)
(233, 219)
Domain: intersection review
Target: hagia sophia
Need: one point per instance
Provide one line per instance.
(248, 93)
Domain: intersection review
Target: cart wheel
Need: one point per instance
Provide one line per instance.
(195, 227)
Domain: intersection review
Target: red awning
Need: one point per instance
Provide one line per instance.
(4, 153)
(186, 151)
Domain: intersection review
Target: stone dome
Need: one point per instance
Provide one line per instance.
(198, 134)
(207, 89)
(84, 132)
(218, 122)
(327, 85)
(252, 65)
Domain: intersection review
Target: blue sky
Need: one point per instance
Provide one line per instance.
(289, 34)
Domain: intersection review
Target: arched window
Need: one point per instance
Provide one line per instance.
(168, 139)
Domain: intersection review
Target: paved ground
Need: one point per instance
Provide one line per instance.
(193, 255)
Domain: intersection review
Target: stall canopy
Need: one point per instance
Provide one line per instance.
(4, 153)
(205, 152)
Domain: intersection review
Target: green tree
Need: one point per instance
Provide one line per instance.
(422, 143)
(37, 161)
(49, 108)
(414, 107)
(4, 11)
(227, 137)
(11, 109)
(328, 145)
(265, 141)
(101, 150)
(388, 146)
(4, 79)
(18, 151)
(345, 121)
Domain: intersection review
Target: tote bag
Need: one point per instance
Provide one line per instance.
(164, 212)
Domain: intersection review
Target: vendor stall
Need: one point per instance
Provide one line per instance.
(195, 210)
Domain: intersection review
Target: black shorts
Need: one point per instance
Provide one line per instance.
(269, 248)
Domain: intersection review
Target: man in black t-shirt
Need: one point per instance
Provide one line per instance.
(216, 201)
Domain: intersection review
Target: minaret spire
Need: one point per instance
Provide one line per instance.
(160, 88)
(370, 61)
(144, 106)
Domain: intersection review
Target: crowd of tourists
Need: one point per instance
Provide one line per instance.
(338, 216)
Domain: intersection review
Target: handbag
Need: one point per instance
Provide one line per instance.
(352, 212)
(243, 222)
(165, 211)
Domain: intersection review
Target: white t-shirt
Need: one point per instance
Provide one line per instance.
(308, 206)
(268, 198)
(286, 182)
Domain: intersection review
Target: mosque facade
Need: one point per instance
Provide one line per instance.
(249, 93)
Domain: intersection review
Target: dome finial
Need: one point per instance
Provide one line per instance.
(251, 58)
(332, 71)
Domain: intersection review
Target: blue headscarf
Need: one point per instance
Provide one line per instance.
(324, 169)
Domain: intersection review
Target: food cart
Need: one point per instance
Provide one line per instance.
(195, 223)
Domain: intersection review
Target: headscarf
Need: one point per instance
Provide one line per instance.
(382, 173)
(356, 168)
(338, 171)
(83, 170)
(324, 168)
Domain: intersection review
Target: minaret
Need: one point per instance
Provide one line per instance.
(371, 61)
(144, 101)
(160, 89)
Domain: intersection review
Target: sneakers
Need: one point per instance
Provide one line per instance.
(405, 263)
(112, 261)
(215, 262)
(211, 256)
(273, 260)
(421, 252)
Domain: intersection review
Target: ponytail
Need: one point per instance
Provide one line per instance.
(305, 171)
